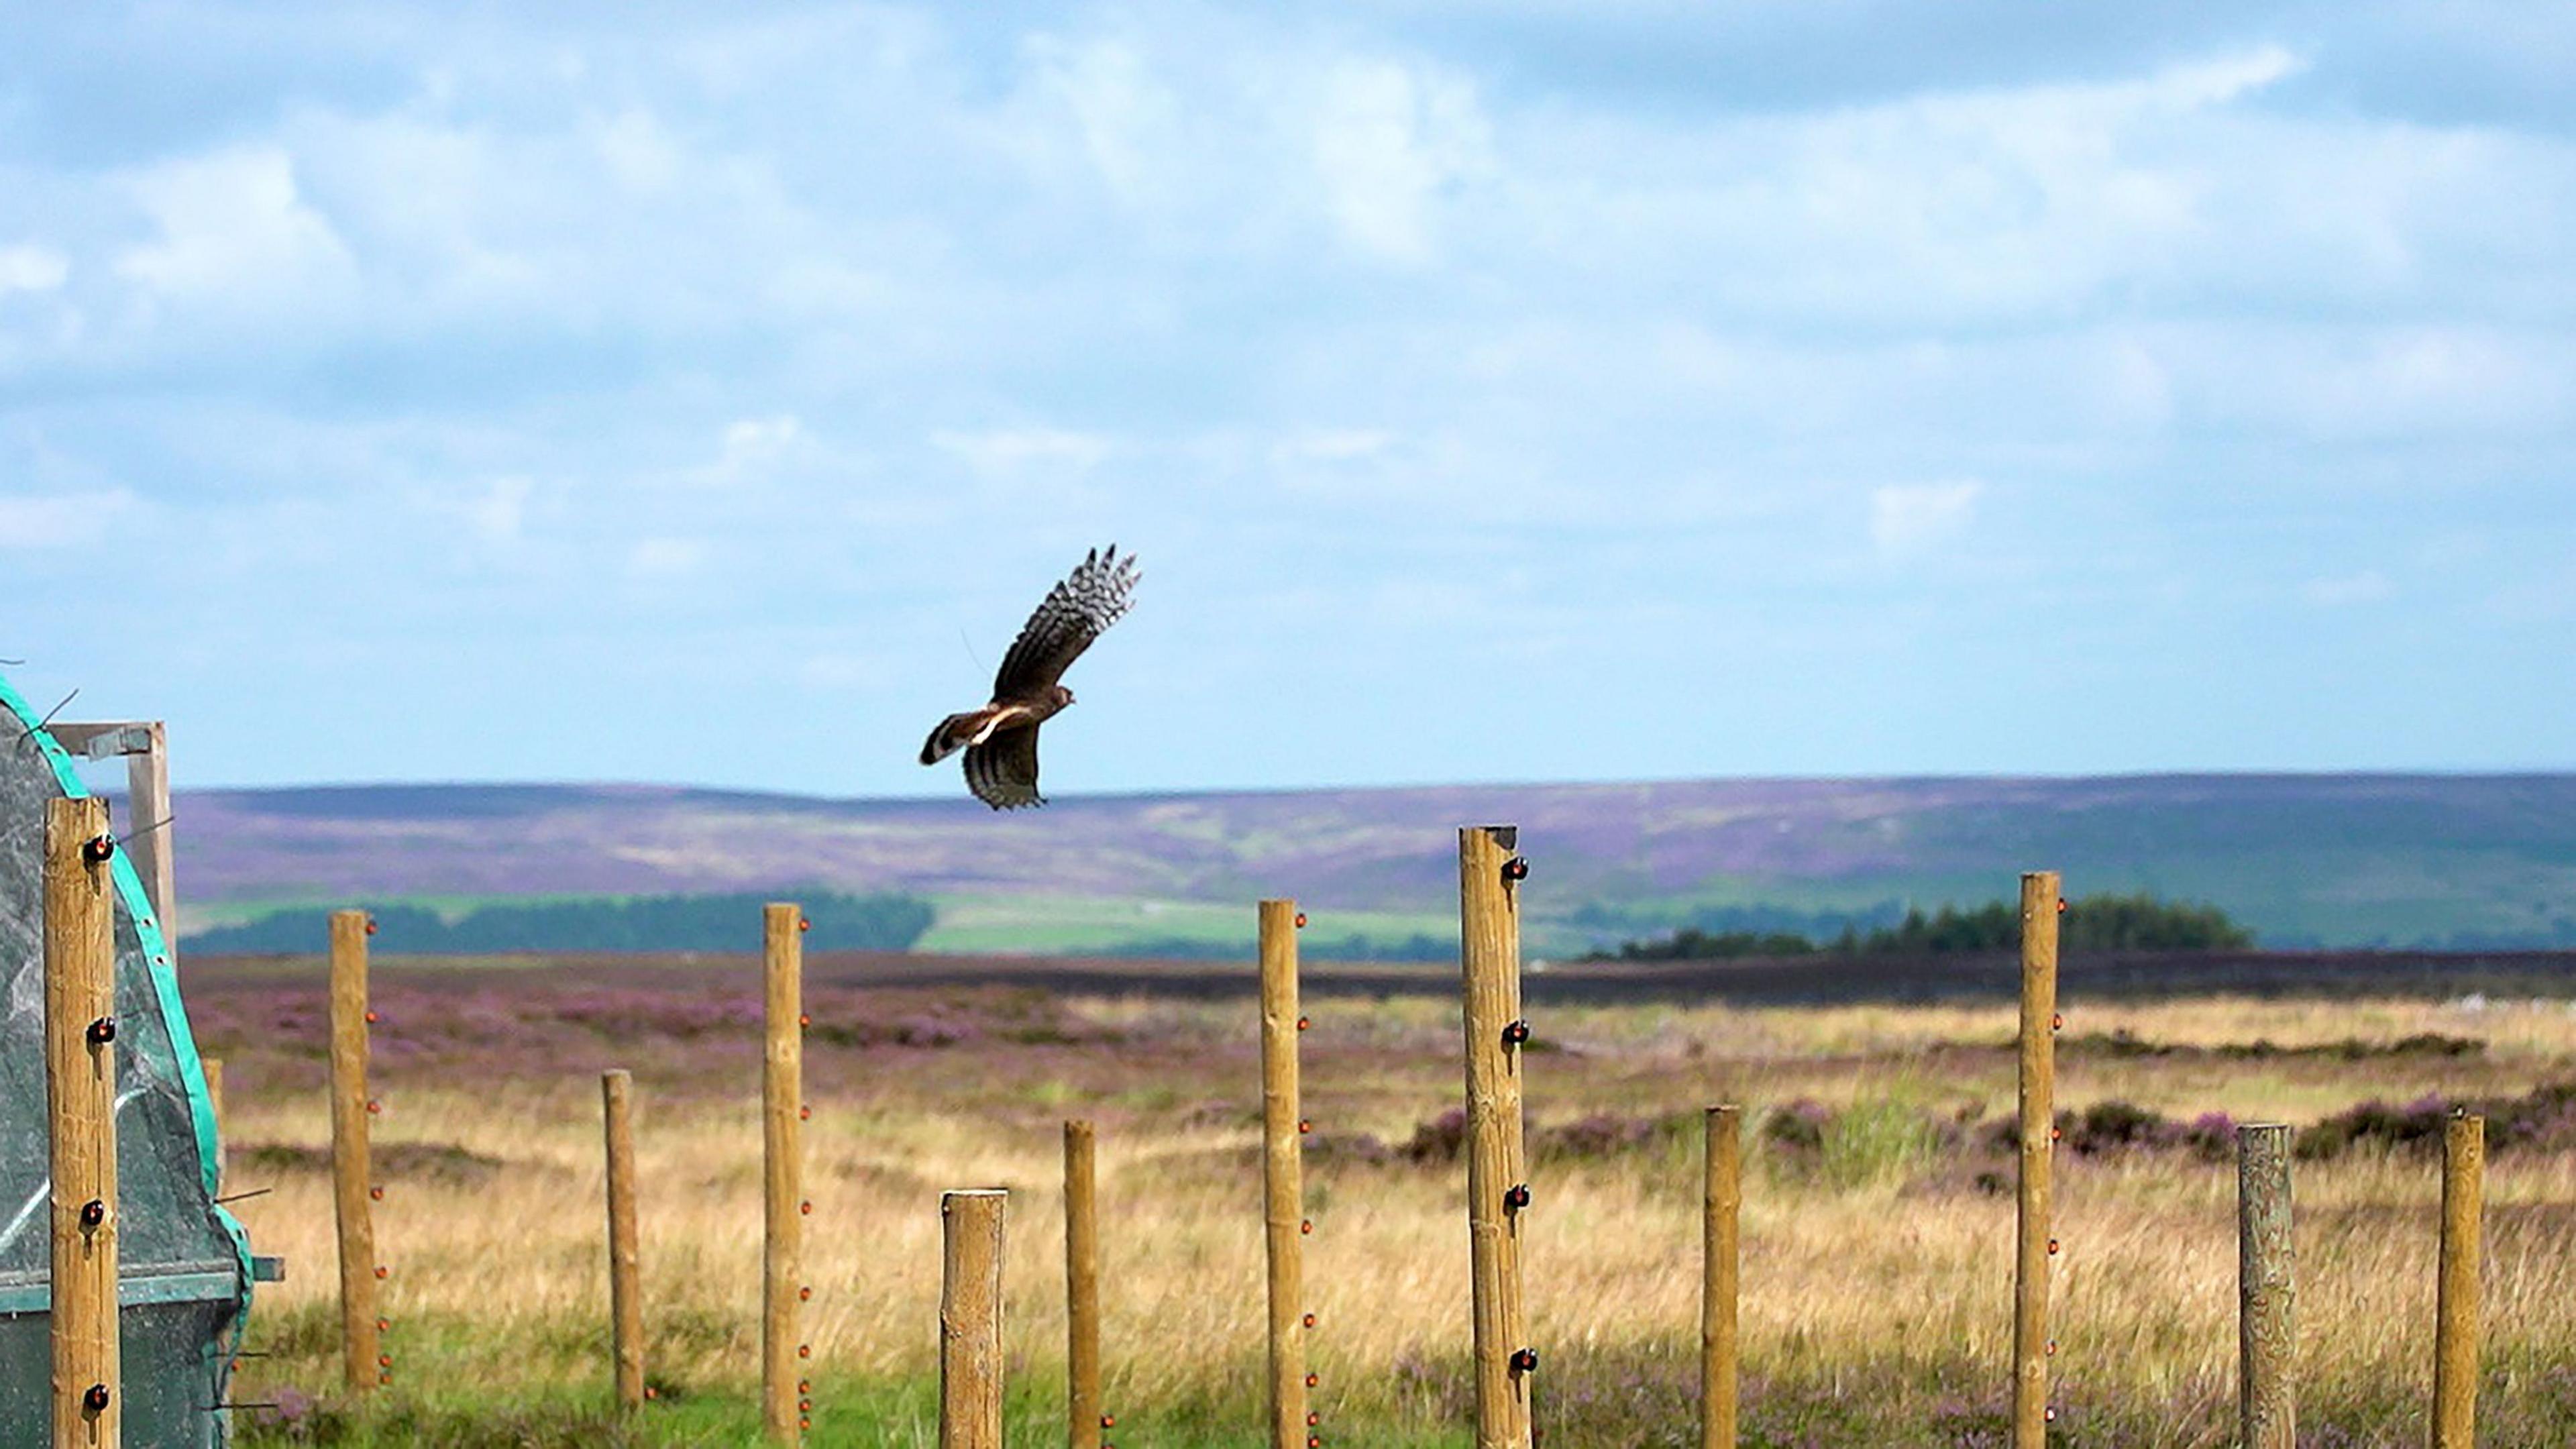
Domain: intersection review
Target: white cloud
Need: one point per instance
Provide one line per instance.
(62, 520)
(1129, 122)
(31, 268)
(1388, 142)
(233, 227)
(1907, 519)
(1016, 450)
(753, 446)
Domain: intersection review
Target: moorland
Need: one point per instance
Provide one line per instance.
(1877, 1219)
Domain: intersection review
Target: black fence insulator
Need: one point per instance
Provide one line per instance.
(98, 848)
(1517, 1197)
(94, 1399)
(1516, 868)
(1516, 1033)
(1524, 1360)
(102, 1031)
(93, 1212)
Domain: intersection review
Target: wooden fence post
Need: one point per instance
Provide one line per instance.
(2039, 907)
(80, 1092)
(1497, 1170)
(625, 1296)
(970, 1319)
(213, 1068)
(1283, 1174)
(2266, 1281)
(363, 1364)
(1721, 1202)
(2455, 1315)
(1081, 1290)
(782, 1102)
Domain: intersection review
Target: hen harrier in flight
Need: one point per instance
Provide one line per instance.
(1001, 739)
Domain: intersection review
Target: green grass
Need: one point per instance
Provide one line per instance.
(902, 1414)
(1076, 925)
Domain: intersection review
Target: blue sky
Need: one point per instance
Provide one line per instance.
(1494, 391)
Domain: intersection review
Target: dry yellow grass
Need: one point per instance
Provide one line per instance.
(1898, 1279)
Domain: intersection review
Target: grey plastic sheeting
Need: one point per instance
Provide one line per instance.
(183, 1263)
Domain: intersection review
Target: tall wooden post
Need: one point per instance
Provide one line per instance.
(1721, 1202)
(2266, 1280)
(147, 793)
(2455, 1314)
(970, 1319)
(361, 1356)
(1283, 1174)
(2039, 905)
(1081, 1291)
(80, 1095)
(782, 1094)
(1497, 1170)
(625, 1256)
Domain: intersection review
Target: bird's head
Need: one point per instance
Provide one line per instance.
(1063, 696)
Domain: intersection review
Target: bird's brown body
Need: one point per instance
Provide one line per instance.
(975, 726)
(1001, 738)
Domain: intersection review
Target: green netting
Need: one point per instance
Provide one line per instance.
(183, 1263)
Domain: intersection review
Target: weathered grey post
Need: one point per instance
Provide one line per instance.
(970, 1319)
(2266, 1280)
(2455, 1313)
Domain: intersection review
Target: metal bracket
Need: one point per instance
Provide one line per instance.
(103, 741)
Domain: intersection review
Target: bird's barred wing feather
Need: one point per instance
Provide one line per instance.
(1075, 612)
(1003, 771)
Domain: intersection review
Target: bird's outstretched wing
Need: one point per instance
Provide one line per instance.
(1003, 771)
(1075, 612)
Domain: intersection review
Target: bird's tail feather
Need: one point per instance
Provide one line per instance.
(957, 732)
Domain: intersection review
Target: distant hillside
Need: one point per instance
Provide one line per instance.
(2336, 860)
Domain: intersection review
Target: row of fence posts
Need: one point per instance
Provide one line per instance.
(2267, 1324)
(80, 1080)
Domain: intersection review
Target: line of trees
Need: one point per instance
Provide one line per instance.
(887, 922)
(2091, 923)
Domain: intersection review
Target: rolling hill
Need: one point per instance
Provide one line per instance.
(2305, 860)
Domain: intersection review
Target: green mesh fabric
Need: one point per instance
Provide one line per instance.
(183, 1262)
